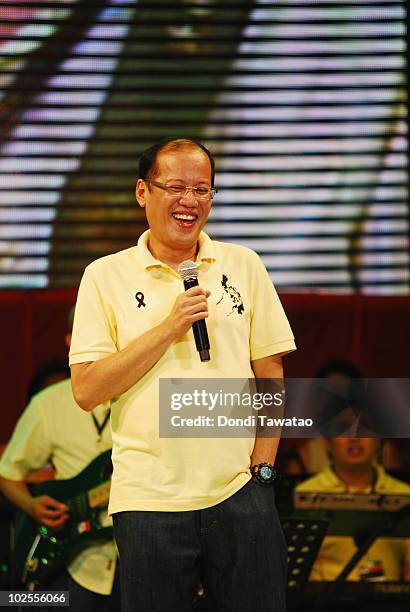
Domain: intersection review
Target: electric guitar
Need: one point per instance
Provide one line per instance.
(39, 551)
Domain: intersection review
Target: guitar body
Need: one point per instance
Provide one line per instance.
(41, 552)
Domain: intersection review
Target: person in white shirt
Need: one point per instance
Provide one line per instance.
(54, 429)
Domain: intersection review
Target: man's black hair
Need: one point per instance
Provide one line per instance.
(38, 380)
(148, 158)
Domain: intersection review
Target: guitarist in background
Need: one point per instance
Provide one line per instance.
(54, 428)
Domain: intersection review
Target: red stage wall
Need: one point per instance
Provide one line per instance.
(373, 332)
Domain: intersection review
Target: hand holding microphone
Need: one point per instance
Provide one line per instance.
(188, 270)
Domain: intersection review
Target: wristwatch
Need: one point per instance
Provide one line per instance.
(264, 473)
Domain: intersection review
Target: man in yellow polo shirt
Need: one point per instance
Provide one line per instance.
(184, 509)
(354, 469)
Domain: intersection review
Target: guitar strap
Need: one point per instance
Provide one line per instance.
(100, 426)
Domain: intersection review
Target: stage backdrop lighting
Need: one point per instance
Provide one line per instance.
(303, 104)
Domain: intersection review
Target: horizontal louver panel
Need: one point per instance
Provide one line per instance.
(303, 104)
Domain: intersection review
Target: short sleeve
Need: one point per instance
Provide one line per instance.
(93, 334)
(30, 446)
(270, 332)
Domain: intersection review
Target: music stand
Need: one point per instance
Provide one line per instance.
(304, 538)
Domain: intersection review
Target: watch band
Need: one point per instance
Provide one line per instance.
(264, 473)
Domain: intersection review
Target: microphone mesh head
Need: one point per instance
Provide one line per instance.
(188, 269)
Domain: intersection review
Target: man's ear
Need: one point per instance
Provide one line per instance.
(140, 190)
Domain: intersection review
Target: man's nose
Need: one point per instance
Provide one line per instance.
(189, 195)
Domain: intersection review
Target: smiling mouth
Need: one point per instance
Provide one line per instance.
(355, 450)
(184, 218)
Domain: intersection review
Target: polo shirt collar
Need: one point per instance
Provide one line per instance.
(205, 253)
(333, 481)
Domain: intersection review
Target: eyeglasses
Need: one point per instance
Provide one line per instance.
(202, 193)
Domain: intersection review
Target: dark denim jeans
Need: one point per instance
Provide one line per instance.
(236, 549)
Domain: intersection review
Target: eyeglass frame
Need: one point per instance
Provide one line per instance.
(166, 186)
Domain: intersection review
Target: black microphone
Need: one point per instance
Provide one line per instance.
(188, 270)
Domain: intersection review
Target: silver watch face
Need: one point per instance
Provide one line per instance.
(266, 472)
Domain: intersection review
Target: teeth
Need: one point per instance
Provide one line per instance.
(184, 217)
